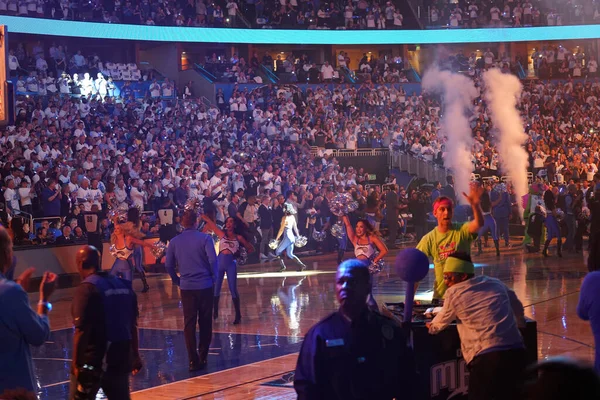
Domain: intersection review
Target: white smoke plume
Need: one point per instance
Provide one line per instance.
(458, 93)
(502, 93)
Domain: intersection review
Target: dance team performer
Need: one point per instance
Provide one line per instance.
(229, 246)
(124, 238)
(368, 246)
(289, 231)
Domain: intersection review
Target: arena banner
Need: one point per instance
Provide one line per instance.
(38, 26)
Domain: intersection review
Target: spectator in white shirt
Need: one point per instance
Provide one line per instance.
(167, 88)
(326, 72)
(13, 63)
(11, 198)
(490, 315)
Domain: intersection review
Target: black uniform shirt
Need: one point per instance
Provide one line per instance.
(90, 332)
(364, 359)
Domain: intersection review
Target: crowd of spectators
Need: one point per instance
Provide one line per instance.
(511, 13)
(301, 14)
(56, 70)
(291, 68)
(297, 14)
(69, 155)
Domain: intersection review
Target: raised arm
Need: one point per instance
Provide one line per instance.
(350, 229)
(210, 224)
(474, 198)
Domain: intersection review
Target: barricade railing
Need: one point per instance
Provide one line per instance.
(415, 166)
(314, 151)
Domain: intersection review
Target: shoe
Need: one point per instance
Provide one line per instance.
(195, 366)
(238, 313)
(263, 257)
(272, 256)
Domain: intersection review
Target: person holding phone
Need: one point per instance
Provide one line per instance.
(21, 326)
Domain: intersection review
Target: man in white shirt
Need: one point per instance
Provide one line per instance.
(84, 195)
(41, 65)
(13, 64)
(10, 196)
(154, 90)
(167, 88)
(490, 315)
(326, 72)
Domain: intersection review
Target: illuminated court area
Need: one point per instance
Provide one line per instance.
(253, 360)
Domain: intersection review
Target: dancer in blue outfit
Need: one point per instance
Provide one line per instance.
(368, 247)
(229, 245)
(124, 238)
(289, 231)
(133, 216)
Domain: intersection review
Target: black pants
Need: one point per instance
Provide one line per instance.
(115, 387)
(496, 375)
(197, 309)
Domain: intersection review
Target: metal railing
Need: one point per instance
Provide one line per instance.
(241, 17)
(349, 153)
(421, 168)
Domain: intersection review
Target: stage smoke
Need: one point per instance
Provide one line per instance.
(502, 93)
(458, 93)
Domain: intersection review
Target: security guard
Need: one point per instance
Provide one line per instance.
(354, 353)
(105, 317)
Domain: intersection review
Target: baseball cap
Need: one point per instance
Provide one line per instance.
(454, 264)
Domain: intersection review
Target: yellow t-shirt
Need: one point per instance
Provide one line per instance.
(438, 246)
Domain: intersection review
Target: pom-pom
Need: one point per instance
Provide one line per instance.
(337, 231)
(242, 257)
(301, 241)
(377, 267)
(273, 244)
(319, 236)
(159, 249)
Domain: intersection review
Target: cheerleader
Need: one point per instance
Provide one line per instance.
(367, 246)
(124, 238)
(133, 216)
(229, 245)
(289, 230)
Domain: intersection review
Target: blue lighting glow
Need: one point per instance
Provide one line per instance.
(38, 26)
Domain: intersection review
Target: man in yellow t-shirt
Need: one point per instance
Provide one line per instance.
(448, 238)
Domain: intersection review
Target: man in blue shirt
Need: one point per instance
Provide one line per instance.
(51, 197)
(194, 255)
(20, 326)
(588, 308)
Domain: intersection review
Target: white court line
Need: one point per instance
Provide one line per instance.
(263, 345)
(299, 337)
(151, 349)
(213, 373)
(55, 384)
(53, 359)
